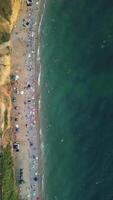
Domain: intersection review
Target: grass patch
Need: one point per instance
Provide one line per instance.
(5, 9)
(9, 188)
(5, 119)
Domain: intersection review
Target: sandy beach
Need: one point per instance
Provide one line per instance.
(25, 113)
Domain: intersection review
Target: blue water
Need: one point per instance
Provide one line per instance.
(77, 99)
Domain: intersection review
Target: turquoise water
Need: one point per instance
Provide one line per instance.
(77, 99)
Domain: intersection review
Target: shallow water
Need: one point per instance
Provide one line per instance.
(77, 99)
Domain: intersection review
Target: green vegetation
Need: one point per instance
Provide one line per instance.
(5, 119)
(0, 176)
(9, 188)
(0, 132)
(4, 37)
(5, 9)
(5, 13)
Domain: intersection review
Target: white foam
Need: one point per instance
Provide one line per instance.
(39, 104)
(42, 146)
(39, 28)
(38, 52)
(43, 183)
(39, 78)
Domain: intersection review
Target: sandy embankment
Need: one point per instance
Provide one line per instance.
(5, 70)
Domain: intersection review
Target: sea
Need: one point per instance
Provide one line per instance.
(76, 50)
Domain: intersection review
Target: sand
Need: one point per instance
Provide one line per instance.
(26, 114)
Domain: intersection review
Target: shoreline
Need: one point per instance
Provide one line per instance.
(38, 63)
(37, 92)
(38, 76)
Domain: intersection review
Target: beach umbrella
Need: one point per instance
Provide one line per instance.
(16, 77)
(22, 92)
(34, 193)
(17, 129)
(35, 179)
(17, 126)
